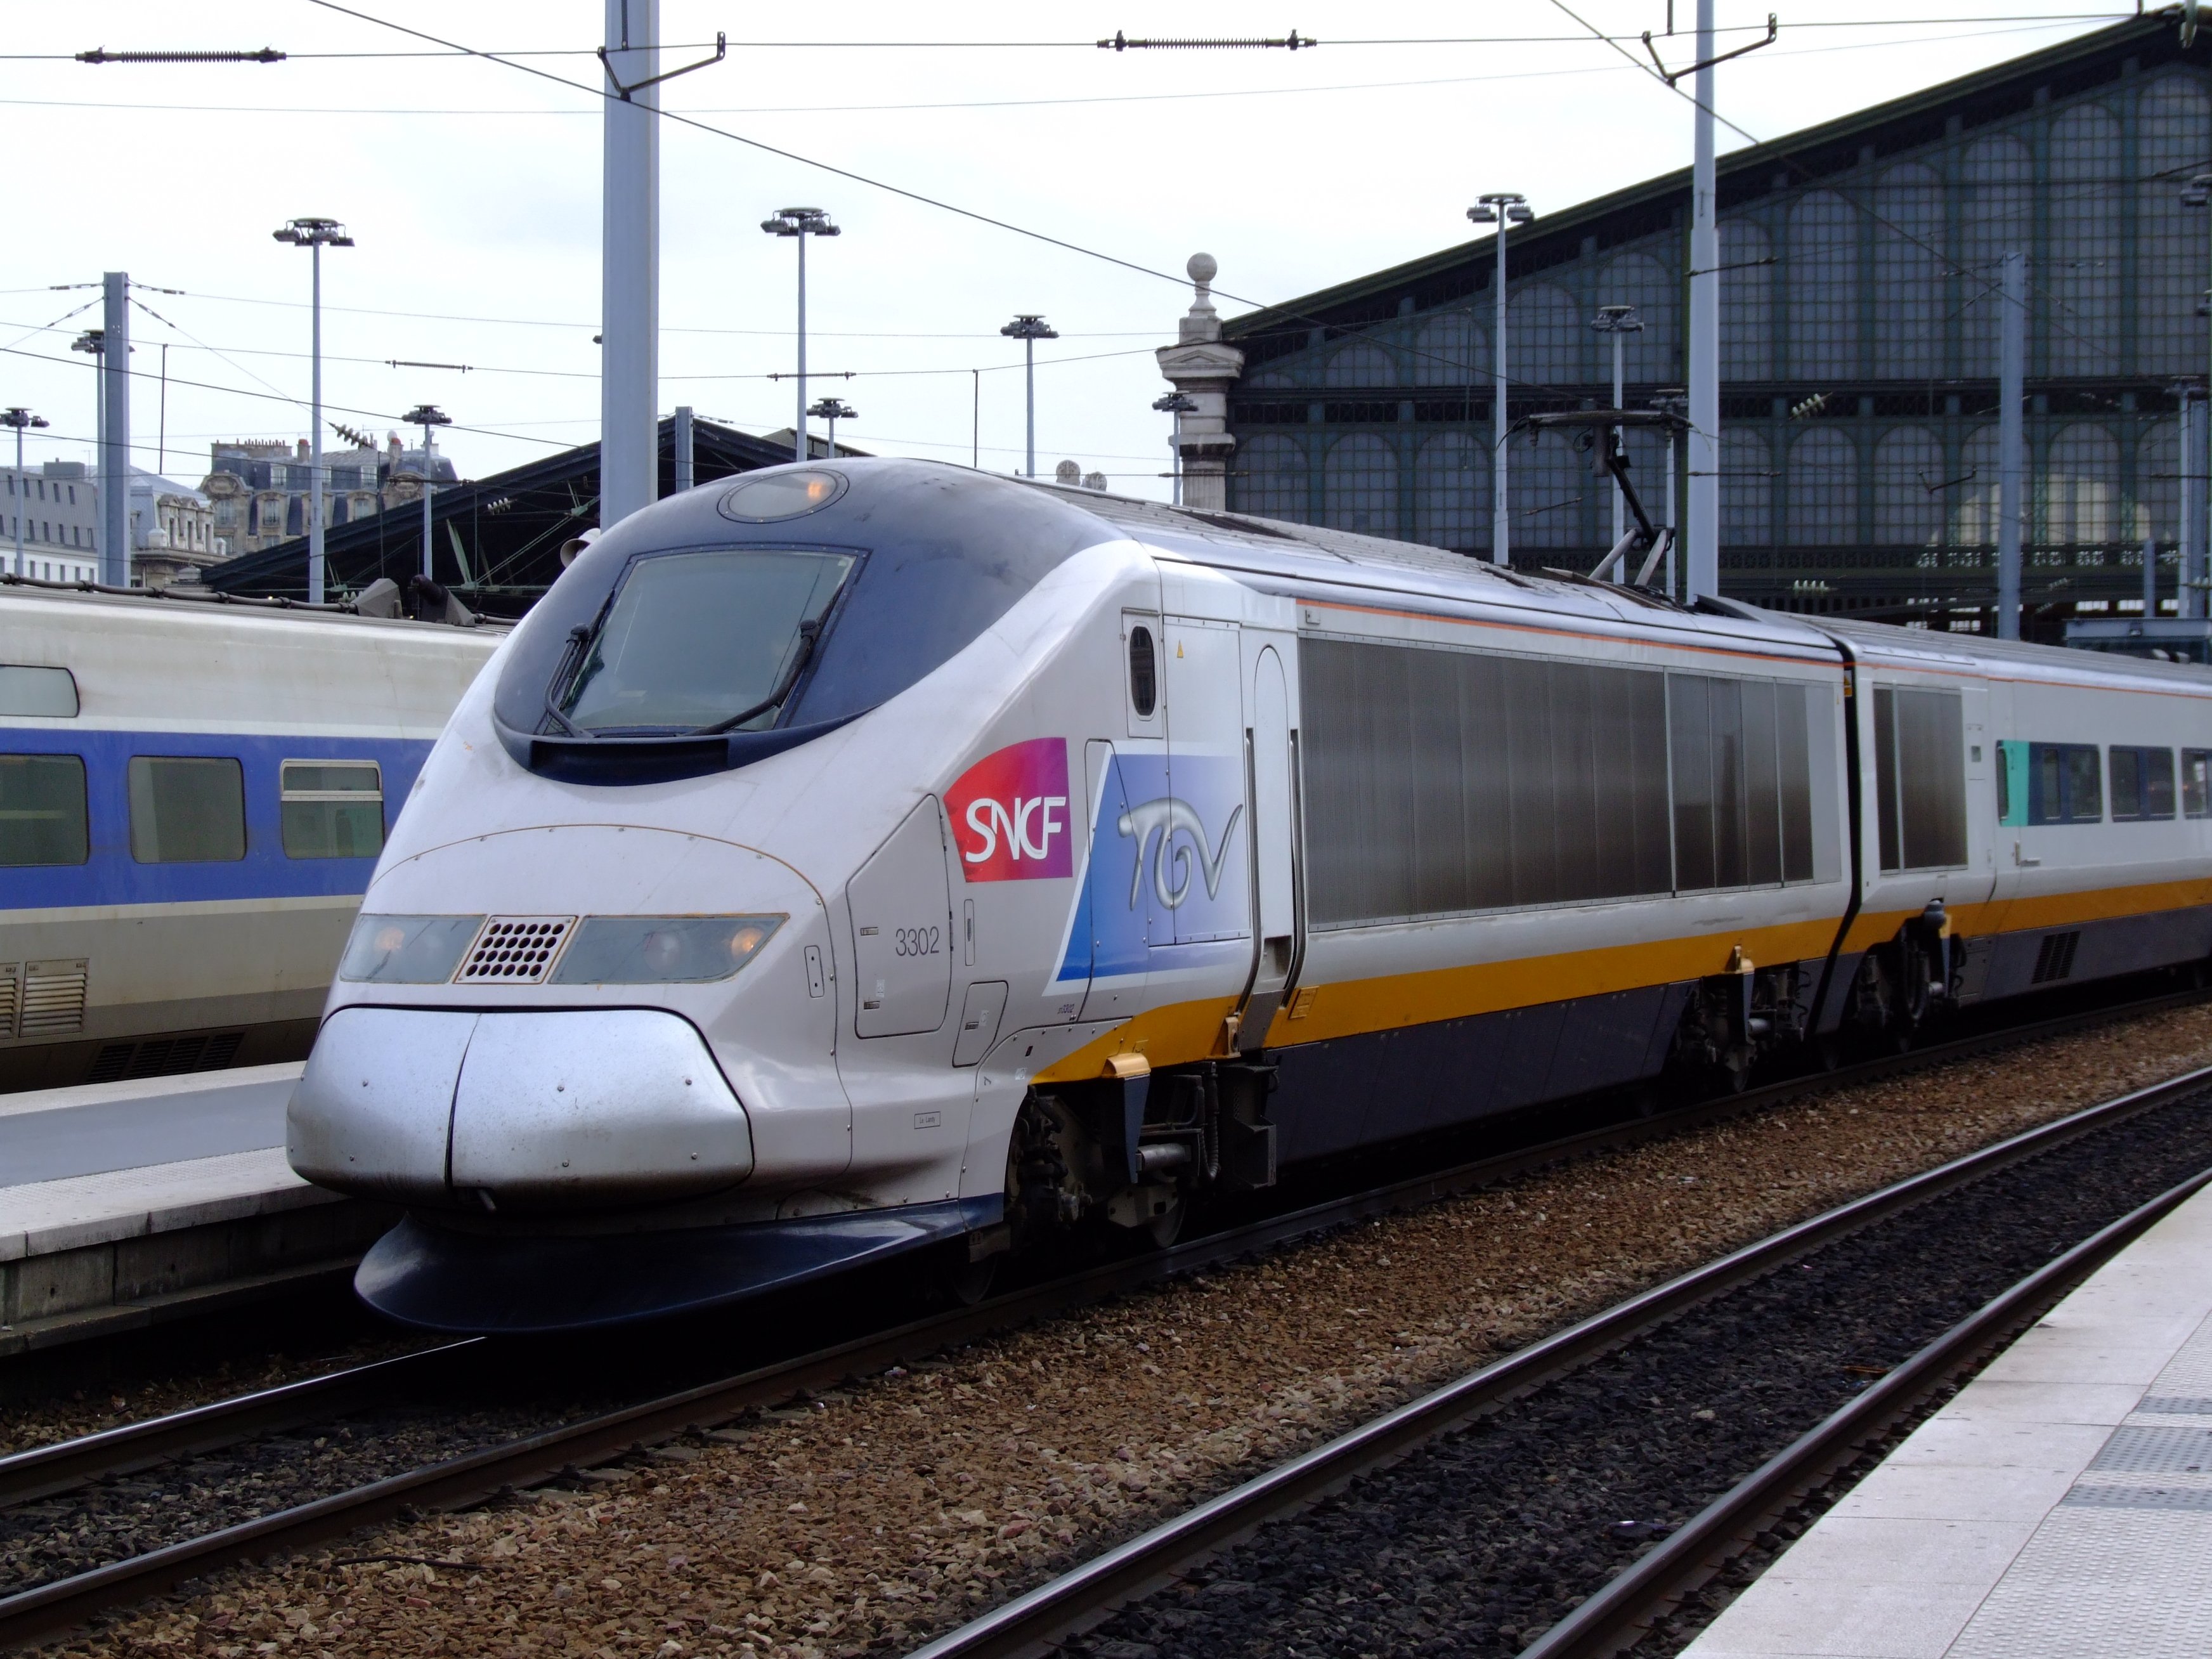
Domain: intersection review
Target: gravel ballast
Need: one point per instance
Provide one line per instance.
(1478, 1543)
(868, 1519)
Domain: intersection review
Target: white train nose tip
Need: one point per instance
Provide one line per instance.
(569, 1109)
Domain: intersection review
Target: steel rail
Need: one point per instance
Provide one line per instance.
(1617, 1615)
(30, 1614)
(42, 1470)
(46, 1471)
(1065, 1606)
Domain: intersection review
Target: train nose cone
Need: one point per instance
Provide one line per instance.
(569, 1108)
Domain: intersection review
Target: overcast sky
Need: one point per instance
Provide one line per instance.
(473, 191)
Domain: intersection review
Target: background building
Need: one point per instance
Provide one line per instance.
(58, 505)
(1859, 351)
(171, 530)
(260, 489)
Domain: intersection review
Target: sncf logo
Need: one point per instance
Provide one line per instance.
(1010, 814)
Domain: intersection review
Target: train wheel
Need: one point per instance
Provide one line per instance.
(1164, 1230)
(968, 1283)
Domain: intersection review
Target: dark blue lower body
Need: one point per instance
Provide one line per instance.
(517, 1283)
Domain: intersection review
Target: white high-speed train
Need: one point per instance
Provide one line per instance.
(193, 796)
(861, 857)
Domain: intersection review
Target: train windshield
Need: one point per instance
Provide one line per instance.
(710, 641)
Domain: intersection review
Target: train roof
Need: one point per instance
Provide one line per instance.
(207, 603)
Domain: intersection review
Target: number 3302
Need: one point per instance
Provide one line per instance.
(916, 941)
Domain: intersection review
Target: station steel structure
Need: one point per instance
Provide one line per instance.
(1861, 323)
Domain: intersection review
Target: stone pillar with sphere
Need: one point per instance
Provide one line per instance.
(1201, 367)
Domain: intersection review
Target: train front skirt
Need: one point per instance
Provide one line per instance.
(446, 1281)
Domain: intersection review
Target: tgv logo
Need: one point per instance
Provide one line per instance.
(1010, 814)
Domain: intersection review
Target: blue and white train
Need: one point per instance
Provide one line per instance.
(192, 796)
(856, 859)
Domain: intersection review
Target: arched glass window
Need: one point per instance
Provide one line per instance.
(2083, 311)
(1451, 493)
(1268, 478)
(1823, 263)
(1451, 349)
(1908, 488)
(1973, 503)
(1908, 272)
(2157, 504)
(1746, 489)
(1551, 495)
(2082, 488)
(1649, 357)
(1824, 496)
(2173, 136)
(1359, 486)
(1747, 303)
(1996, 215)
(1360, 364)
(1547, 339)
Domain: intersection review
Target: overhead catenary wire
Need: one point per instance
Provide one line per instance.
(270, 54)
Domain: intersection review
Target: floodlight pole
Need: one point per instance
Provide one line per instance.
(19, 417)
(1502, 208)
(834, 410)
(427, 416)
(1028, 328)
(314, 235)
(800, 223)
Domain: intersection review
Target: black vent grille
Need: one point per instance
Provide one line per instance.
(2055, 959)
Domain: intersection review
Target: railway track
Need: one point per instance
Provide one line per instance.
(1059, 1614)
(536, 1459)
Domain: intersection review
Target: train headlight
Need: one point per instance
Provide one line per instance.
(407, 949)
(662, 949)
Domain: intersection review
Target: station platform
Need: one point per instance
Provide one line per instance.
(2061, 1504)
(125, 1204)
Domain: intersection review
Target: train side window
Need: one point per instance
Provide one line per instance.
(2065, 783)
(1920, 777)
(1143, 673)
(331, 809)
(37, 693)
(2013, 790)
(2142, 783)
(2196, 783)
(187, 809)
(42, 811)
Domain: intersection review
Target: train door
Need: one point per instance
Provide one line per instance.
(1271, 763)
(1193, 832)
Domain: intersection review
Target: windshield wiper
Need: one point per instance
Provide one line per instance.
(809, 632)
(578, 637)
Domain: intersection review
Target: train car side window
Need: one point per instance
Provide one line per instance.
(1143, 673)
(1920, 777)
(2142, 783)
(331, 809)
(42, 811)
(187, 809)
(48, 694)
(2065, 783)
(2196, 783)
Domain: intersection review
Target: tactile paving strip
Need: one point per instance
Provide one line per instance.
(2124, 1564)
